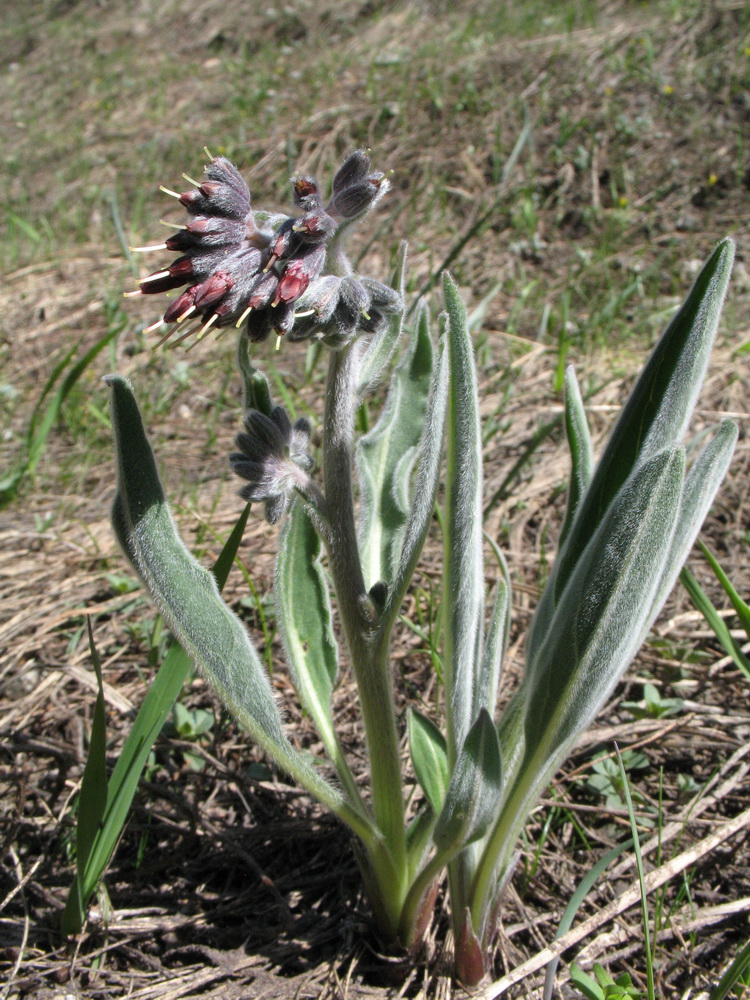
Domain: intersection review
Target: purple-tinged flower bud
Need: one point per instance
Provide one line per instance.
(263, 291)
(314, 227)
(282, 319)
(178, 272)
(182, 307)
(292, 283)
(207, 232)
(358, 198)
(353, 170)
(257, 326)
(213, 290)
(306, 193)
(224, 192)
(299, 272)
(282, 245)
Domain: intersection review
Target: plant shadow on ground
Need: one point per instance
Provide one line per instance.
(226, 884)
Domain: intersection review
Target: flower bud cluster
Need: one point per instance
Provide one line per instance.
(274, 458)
(258, 271)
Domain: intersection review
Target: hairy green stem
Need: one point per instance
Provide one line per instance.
(370, 659)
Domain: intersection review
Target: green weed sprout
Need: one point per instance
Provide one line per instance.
(356, 532)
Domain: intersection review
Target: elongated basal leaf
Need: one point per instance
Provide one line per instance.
(496, 639)
(464, 567)
(600, 617)
(426, 483)
(305, 619)
(701, 483)
(579, 445)
(187, 596)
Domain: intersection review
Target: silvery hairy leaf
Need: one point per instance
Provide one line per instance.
(385, 461)
(426, 480)
(474, 789)
(382, 347)
(496, 639)
(188, 598)
(600, 616)
(580, 448)
(429, 756)
(463, 571)
(304, 614)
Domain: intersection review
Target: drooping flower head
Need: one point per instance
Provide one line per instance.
(274, 458)
(258, 271)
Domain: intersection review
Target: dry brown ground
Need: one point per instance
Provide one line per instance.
(223, 884)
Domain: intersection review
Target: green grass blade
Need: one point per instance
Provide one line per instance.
(42, 421)
(741, 608)
(734, 973)
(641, 879)
(92, 803)
(703, 603)
(583, 888)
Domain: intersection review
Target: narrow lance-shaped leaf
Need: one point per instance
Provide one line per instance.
(463, 564)
(381, 349)
(702, 481)
(429, 756)
(160, 698)
(601, 615)
(426, 482)
(304, 610)
(595, 632)
(579, 445)
(187, 596)
(385, 459)
(496, 640)
(473, 793)
(654, 418)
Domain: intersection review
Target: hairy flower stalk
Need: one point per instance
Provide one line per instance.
(357, 532)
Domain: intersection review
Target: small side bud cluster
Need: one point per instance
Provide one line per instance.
(274, 458)
(257, 271)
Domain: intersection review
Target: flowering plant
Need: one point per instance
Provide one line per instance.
(357, 531)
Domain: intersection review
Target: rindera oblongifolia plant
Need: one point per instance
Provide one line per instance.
(355, 532)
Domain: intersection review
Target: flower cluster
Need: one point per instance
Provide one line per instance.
(274, 458)
(258, 272)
